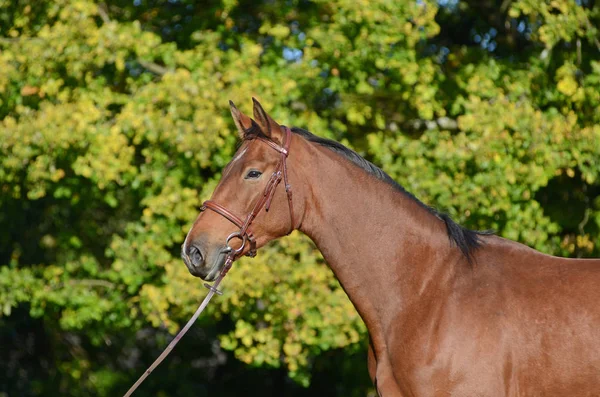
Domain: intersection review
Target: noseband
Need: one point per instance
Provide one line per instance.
(245, 234)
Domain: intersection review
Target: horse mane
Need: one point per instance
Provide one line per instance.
(465, 239)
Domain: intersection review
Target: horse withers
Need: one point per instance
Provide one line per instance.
(449, 311)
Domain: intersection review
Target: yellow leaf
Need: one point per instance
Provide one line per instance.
(567, 86)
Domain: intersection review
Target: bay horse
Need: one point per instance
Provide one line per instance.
(449, 311)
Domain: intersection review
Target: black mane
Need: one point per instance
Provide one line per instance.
(466, 240)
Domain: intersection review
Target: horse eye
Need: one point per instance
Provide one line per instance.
(253, 174)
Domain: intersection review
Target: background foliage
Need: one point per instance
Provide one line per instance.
(114, 127)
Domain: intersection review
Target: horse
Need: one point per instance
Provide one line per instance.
(449, 311)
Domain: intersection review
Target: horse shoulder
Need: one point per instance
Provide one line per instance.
(512, 306)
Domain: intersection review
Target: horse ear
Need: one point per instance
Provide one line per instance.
(266, 123)
(242, 122)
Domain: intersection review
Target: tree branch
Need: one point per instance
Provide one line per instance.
(103, 13)
(150, 66)
(153, 67)
(443, 123)
(93, 283)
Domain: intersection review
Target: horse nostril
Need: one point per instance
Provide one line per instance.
(195, 256)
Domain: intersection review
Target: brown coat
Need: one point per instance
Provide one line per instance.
(510, 321)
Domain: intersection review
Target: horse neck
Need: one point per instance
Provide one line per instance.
(387, 250)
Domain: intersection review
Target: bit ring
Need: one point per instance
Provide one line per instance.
(233, 235)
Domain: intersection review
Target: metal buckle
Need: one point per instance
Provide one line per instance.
(213, 289)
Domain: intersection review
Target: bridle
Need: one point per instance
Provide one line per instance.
(245, 234)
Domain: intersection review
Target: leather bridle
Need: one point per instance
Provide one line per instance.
(245, 234)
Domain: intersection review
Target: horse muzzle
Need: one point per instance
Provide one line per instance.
(203, 263)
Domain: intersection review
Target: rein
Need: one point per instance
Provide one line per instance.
(244, 234)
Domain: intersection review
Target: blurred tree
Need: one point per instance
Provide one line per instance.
(114, 128)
